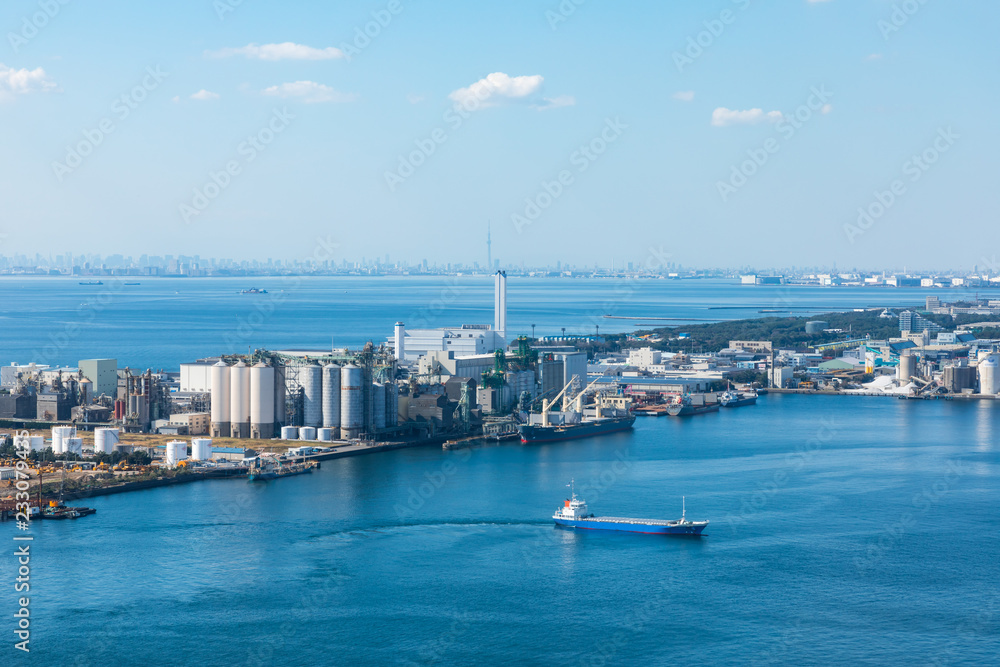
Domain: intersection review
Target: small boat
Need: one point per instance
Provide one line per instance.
(60, 512)
(684, 406)
(92, 282)
(263, 469)
(573, 514)
(253, 290)
(734, 399)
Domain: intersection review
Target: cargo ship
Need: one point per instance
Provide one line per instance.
(732, 399)
(531, 433)
(273, 469)
(685, 406)
(574, 514)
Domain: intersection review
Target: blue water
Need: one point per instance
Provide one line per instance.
(844, 530)
(161, 323)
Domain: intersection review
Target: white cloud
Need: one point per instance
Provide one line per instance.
(309, 92)
(24, 81)
(283, 51)
(555, 102)
(205, 95)
(684, 95)
(723, 117)
(497, 88)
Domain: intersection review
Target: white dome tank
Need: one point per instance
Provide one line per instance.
(331, 396)
(351, 402)
(176, 452)
(289, 432)
(311, 379)
(307, 433)
(105, 440)
(239, 400)
(201, 449)
(324, 434)
(261, 401)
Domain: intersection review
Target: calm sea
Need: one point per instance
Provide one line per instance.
(161, 323)
(844, 530)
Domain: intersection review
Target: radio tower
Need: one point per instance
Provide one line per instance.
(489, 248)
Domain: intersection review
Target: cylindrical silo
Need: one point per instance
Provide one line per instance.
(289, 432)
(261, 401)
(378, 405)
(324, 434)
(331, 396)
(239, 400)
(201, 449)
(307, 433)
(989, 375)
(907, 367)
(105, 440)
(280, 392)
(391, 404)
(311, 380)
(351, 407)
(219, 382)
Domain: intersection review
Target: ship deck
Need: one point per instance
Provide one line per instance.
(639, 522)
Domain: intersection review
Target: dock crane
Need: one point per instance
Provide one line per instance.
(547, 404)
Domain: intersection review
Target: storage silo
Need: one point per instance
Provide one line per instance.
(219, 382)
(289, 432)
(311, 380)
(239, 400)
(105, 440)
(351, 404)
(378, 405)
(989, 375)
(324, 434)
(261, 401)
(280, 393)
(201, 449)
(331, 397)
(391, 404)
(175, 453)
(307, 433)
(907, 367)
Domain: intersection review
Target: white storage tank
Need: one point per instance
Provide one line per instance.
(907, 367)
(239, 400)
(219, 383)
(391, 404)
(60, 434)
(289, 432)
(307, 433)
(105, 440)
(378, 405)
(261, 401)
(37, 442)
(351, 402)
(201, 449)
(311, 379)
(324, 434)
(176, 452)
(73, 446)
(331, 396)
(989, 375)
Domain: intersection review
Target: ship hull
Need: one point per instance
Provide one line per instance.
(740, 402)
(531, 434)
(631, 527)
(687, 410)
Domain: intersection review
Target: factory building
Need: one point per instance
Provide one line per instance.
(103, 374)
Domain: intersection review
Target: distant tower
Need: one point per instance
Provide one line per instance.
(500, 304)
(489, 248)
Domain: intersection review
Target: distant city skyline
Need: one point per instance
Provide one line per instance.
(732, 133)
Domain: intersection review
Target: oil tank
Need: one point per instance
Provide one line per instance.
(289, 432)
(378, 405)
(907, 367)
(176, 452)
(351, 403)
(219, 379)
(105, 440)
(261, 401)
(989, 377)
(324, 434)
(311, 379)
(239, 400)
(331, 397)
(60, 434)
(73, 445)
(391, 404)
(201, 449)
(37, 443)
(307, 433)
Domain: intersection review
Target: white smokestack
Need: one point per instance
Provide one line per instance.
(500, 304)
(400, 341)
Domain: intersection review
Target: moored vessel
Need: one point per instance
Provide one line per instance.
(734, 399)
(684, 406)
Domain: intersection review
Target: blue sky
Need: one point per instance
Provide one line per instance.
(669, 138)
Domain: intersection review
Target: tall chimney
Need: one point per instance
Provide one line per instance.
(400, 342)
(500, 304)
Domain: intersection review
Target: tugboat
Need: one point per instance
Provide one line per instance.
(272, 468)
(684, 406)
(573, 514)
(734, 399)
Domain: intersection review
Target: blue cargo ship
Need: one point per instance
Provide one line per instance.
(574, 514)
